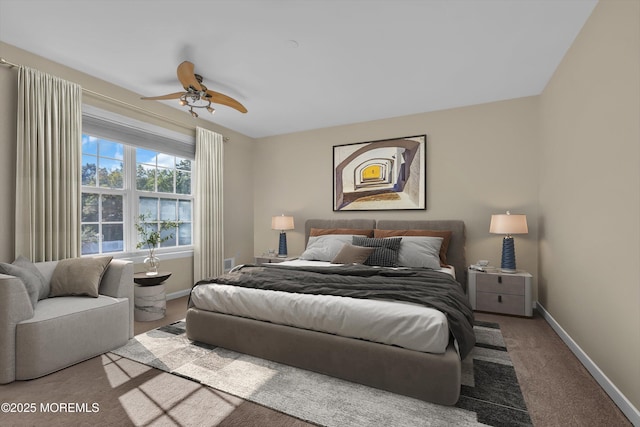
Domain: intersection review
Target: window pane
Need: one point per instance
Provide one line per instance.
(183, 164)
(90, 207)
(112, 240)
(149, 227)
(149, 207)
(167, 210)
(184, 210)
(89, 145)
(145, 178)
(145, 156)
(172, 237)
(110, 173)
(90, 239)
(166, 161)
(165, 180)
(110, 149)
(184, 234)
(112, 208)
(183, 182)
(89, 166)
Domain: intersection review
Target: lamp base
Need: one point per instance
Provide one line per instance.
(508, 263)
(282, 247)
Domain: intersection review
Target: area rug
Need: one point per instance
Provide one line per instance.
(490, 394)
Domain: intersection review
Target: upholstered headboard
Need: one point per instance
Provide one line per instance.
(455, 254)
(366, 224)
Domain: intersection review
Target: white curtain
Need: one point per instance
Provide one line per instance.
(208, 239)
(48, 176)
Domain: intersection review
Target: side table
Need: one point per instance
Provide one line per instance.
(498, 292)
(149, 296)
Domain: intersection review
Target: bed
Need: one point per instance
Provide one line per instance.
(428, 373)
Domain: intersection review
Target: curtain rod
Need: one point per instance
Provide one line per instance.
(118, 102)
(7, 63)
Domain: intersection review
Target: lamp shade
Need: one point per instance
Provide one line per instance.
(282, 222)
(508, 224)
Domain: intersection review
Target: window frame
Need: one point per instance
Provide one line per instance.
(136, 134)
(160, 195)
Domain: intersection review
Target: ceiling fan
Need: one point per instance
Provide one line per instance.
(196, 94)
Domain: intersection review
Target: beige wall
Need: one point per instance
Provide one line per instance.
(238, 203)
(590, 193)
(480, 160)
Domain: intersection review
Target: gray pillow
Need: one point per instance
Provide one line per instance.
(326, 247)
(78, 276)
(25, 263)
(386, 250)
(32, 283)
(350, 254)
(420, 252)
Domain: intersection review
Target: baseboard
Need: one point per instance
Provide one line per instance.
(179, 294)
(614, 393)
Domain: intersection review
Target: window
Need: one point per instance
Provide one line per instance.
(103, 196)
(121, 182)
(163, 184)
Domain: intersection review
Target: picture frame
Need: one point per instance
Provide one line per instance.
(387, 174)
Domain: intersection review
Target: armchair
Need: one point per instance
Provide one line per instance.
(62, 331)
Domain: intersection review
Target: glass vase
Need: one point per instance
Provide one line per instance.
(152, 264)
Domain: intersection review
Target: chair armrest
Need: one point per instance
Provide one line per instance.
(117, 282)
(15, 307)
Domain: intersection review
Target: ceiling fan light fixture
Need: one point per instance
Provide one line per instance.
(196, 94)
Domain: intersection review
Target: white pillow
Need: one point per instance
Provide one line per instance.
(420, 252)
(326, 247)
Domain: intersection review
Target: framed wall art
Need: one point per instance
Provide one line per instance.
(388, 174)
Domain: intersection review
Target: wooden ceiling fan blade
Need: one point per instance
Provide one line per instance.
(219, 98)
(187, 76)
(168, 96)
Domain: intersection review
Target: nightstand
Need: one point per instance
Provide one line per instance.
(273, 259)
(498, 292)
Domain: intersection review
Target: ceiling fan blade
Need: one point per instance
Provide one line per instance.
(219, 98)
(187, 76)
(169, 96)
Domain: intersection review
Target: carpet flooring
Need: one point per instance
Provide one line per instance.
(490, 394)
(558, 390)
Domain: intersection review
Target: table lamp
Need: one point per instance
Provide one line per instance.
(282, 223)
(508, 224)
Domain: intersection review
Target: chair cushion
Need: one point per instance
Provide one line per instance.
(78, 276)
(25, 263)
(30, 276)
(68, 330)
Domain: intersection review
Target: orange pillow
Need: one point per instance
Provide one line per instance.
(446, 238)
(325, 231)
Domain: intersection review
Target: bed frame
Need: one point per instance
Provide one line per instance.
(430, 377)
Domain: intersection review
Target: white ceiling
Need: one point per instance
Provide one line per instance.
(355, 60)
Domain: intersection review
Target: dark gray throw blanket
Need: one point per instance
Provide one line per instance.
(426, 287)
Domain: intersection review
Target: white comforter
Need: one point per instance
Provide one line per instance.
(403, 324)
